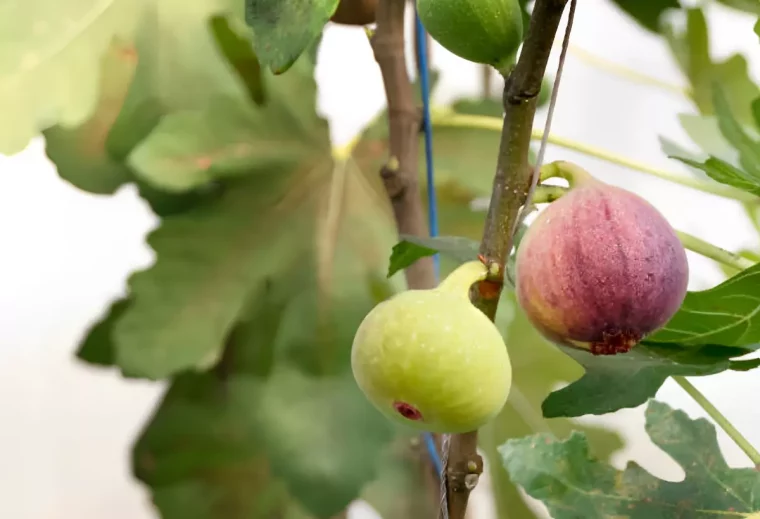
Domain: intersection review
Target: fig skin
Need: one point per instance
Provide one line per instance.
(600, 268)
(482, 31)
(429, 359)
(355, 12)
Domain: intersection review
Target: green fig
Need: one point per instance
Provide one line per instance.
(482, 31)
(431, 360)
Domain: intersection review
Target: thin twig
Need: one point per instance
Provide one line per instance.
(511, 182)
(400, 173)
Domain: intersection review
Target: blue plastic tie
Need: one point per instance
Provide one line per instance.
(432, 203)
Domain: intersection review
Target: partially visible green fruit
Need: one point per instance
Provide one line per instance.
(430, 359)
(482, 31)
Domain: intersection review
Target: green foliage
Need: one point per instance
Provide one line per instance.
(573, 484)
(648, 12)
(50, 61)
(624, 381)
(537, 369)
(691, 50)
(725, 314)
(282, 31)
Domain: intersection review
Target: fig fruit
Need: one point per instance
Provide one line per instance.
(600, 268)
(430, 359)
(482, 31)
(355, 12)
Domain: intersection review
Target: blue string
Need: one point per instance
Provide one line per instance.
(432, 203)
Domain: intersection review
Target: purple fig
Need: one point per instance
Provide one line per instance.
(600, 268)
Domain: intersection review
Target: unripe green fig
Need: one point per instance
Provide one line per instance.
(482, 31)
(431, 360)
(355, 12)
(600, 268)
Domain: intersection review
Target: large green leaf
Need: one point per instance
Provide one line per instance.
(727, 314)
(283, 29)
(573, 484)
(80, 153)
(647, 12)
(692, 52)
(274, 217)
(537, 368)
(628, 380)
(50, 61)
(243, 447)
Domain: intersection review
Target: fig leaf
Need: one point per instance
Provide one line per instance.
(572, 483)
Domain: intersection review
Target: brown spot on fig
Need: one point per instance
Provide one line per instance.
(408, 411)
(601, 267)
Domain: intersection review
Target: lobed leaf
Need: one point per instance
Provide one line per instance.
(727, 314)
(624, 381)
(574, 484)
(50, 62)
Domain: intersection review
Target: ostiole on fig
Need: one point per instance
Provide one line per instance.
(600, 268)
(431, 360)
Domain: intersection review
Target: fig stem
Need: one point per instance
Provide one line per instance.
(714, 252)
(461, 279)
(573, 173)
(445, 117)
(721, 420)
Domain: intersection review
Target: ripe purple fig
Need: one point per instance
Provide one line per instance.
(600, 268)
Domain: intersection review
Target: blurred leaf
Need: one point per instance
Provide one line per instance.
(240, 447)
(749, 6)
(744, 365)
(725, 173)
(464, 158)
(647, 13)
(51, 59)
(704, 131)
(756, 112)
(757, 28)
(80, 153)
(538, 367)
(478, 106)
(283, 29)
(627, 380)
(572, 483)
(239, 53)
(400, 490)
(97, 348)
(266, 225)
(228, 138)
(749, 149)
(692, 52)
(724, 315)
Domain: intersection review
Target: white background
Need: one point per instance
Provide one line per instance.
(66, 429)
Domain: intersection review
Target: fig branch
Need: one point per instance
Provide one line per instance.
(511, 182)
(400, 173)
